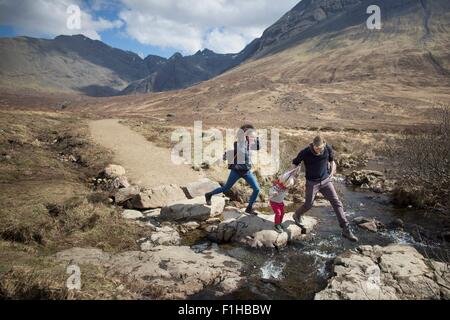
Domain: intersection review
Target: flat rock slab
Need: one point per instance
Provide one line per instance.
(193, 210)
(166, 272)
(165, 236)
(200, 188)
(396, 272)
(258, 231)
(153, 198)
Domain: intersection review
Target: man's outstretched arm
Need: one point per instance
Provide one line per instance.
(333, 168)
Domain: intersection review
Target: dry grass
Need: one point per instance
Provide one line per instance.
(47, 161)
(31, 275)
(153, 130)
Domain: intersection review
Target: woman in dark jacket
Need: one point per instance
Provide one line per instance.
(240, 166)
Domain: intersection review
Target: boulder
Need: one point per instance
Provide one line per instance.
(369, 180)
(157, 197)
(165, 236)
(258, 231)
(132, 214)
(166, 272)
(120, 182)
(368, 224)
(114, 171)
(193, 210)
(199, 188)
(396, 272)
(121, 196)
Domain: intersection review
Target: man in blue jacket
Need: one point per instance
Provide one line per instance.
(320, 169)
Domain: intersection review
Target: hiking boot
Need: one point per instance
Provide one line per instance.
(347, 233)
(251, 211)
(279, 228)
(208, 198)
(299, 221)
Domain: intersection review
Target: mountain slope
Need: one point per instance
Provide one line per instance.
(67, 64)
(333, 72)
(77, 64)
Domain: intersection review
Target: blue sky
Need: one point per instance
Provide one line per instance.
(159, 27)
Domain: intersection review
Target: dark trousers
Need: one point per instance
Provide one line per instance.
(325, 187)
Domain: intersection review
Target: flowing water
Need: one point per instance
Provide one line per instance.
(302, 269)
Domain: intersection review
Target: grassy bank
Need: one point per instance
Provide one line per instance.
(48, 204)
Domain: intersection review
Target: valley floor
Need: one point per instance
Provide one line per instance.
(52, 203)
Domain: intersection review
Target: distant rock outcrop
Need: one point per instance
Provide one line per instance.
(180, 72)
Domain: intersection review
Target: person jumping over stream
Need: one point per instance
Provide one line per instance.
(320, 166)
(241, 165)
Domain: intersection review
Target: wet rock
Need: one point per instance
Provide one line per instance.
(166, 272)
(158, 197)
(445, 236)
(371, 225)
(198, 248)
(199, 188)
(370, 180)
(258, 231)
(132, 214)
(395, 272)
(193, 210)
(114, 171)
(396, 224)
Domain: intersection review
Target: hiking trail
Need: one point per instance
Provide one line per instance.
(146, 164)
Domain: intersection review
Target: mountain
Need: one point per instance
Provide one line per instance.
(77, 64)
(67, 64)
(318, 41)
(180, 72)
(320, 66)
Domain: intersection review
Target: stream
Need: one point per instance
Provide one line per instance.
(302, 269)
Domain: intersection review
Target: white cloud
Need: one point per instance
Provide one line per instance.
(49, 18)
(225, 41)
(156, 30)
(224, 26)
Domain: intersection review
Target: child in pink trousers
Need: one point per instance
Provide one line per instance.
(277, 194)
